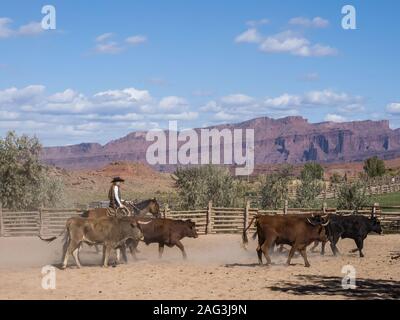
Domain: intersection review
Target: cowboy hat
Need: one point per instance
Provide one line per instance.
(117, 179)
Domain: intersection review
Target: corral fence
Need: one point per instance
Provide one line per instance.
(232, 220)
(48, 222)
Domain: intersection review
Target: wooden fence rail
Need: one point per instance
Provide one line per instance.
(49, 222)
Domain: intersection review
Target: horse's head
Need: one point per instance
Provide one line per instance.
(154, 208)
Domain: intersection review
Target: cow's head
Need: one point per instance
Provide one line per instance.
(319, 223)
(190, 230)
(134, 231)
(375, 224)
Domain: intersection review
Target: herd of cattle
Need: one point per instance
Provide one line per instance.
(295, 230)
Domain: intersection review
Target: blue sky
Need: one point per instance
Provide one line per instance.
(120, 66)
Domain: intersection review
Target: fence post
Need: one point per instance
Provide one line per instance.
(1, 221)
(246, 215)
(40, 221)
(165, 211)
(285, 208)
(209, 217)
(375, 206)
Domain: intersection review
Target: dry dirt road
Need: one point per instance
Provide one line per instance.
(217, 268)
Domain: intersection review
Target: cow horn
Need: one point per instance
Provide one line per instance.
(142, 222)
(312, 214)
(325, 224)
(309, 221)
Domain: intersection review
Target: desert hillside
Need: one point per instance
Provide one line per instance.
(141, 181)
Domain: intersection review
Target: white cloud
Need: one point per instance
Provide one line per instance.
(128, 94)
(63, 97)
(135, 40)
(109, 47)
(173, 103)
(106, 46)
(184, 116)
(329, 97)
(288, 42)
(27, 95)
(32, 110)
(393, 108)
(211, 106)
(283, 101)
(8, 115)
(30, 29)
(5, 31)
(237, 99)
(249, 36)
(316, 22)
(334, 118)
(353, 108)
(224, 116)
(104, 37)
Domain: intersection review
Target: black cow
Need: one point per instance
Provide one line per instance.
(354, 227)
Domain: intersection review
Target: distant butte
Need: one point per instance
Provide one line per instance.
(287, 140)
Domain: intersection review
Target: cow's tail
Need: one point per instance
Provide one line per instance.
(53, 238)
(244, 235)
(85, 214)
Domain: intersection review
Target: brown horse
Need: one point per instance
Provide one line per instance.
(136, 209)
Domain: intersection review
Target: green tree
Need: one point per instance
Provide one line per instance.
(336, 178)
(352, 196)
(374, 167)
(198, 185)
(311, 186)
(24, 181)
(312, 171)
(275, 187)
(307, 193)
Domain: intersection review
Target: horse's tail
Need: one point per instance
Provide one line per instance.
(244, 235)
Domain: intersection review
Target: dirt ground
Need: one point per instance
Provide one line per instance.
(217, 268)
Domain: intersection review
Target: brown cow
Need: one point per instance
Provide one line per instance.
(112, 232)
(164, 232)
(296, 231)
(316, 242)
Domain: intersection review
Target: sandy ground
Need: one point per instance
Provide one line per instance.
(217, 268)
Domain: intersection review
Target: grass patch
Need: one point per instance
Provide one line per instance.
(384, 200)
(387, 199)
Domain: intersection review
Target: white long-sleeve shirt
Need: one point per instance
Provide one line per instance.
(116, 195)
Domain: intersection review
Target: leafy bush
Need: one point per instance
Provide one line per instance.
(275, 187)
(24, 181)
(198, 185)
(311, 186)
(352, 196)
(374, 167)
